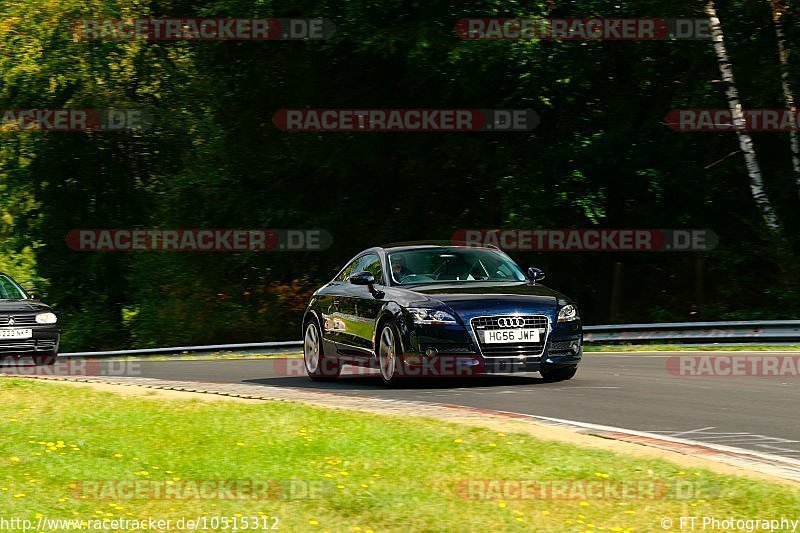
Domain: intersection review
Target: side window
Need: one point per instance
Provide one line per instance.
(369, 262)
(372, 264)
(349, 269)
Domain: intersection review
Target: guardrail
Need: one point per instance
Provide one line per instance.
(740, 332)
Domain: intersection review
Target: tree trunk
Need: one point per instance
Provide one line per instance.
(778, 8)
(745, 141)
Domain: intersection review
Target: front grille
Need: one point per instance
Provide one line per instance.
(19, 320)
(27, 346)
(528, 349)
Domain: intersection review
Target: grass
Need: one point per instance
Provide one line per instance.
(380, 473)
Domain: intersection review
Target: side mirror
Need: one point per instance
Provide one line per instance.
(362, 278)
(534, 274)
(32, 295)
(366, 278)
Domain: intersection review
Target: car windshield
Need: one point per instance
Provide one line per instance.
(434, 265)
(9, 290)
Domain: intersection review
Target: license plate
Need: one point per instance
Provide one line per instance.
(16, 333)
(510, 335)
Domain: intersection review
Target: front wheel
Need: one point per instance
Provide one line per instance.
(554, 374)
(319, 367)
(389, 355)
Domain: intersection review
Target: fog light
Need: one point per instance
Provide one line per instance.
(430, 352)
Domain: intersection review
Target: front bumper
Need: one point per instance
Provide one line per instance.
(44, 340)
(445, 351)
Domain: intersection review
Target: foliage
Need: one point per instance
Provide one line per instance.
(212, 158)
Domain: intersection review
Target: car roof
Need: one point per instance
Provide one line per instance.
(421, 246)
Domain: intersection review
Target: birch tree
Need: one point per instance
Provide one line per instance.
(745, 140)
(778, 8)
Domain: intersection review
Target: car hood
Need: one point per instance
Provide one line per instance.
(481, 298)
(17, 306)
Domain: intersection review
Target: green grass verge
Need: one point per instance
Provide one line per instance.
(383, 473)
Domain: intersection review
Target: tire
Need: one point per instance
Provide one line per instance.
(44, 360)
(554, 374)
(319, 367)
(389, 354)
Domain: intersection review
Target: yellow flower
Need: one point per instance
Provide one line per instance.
(240, 443)
(457, 441)
(343, 473)
(545, 513)
(313, 522)
(584, 504)
(501, 434)
(339, 486)
(492, 445)
(630, 511)
(20, 495)
(15, 459)
(501, 505)
(519, 519)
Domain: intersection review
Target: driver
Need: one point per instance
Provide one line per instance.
(399, 270)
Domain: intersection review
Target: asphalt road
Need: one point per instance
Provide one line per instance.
(627, 391)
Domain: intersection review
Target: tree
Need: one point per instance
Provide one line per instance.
(745, 141)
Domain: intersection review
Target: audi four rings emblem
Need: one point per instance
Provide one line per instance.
(511, 322)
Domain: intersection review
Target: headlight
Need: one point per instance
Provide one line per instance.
(420, 315)
(568, 313)
(46, 318)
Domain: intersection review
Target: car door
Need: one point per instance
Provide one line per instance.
(358, 309)
(330, 305)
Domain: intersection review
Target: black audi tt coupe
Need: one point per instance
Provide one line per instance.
(27, 326)
(422, 310)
